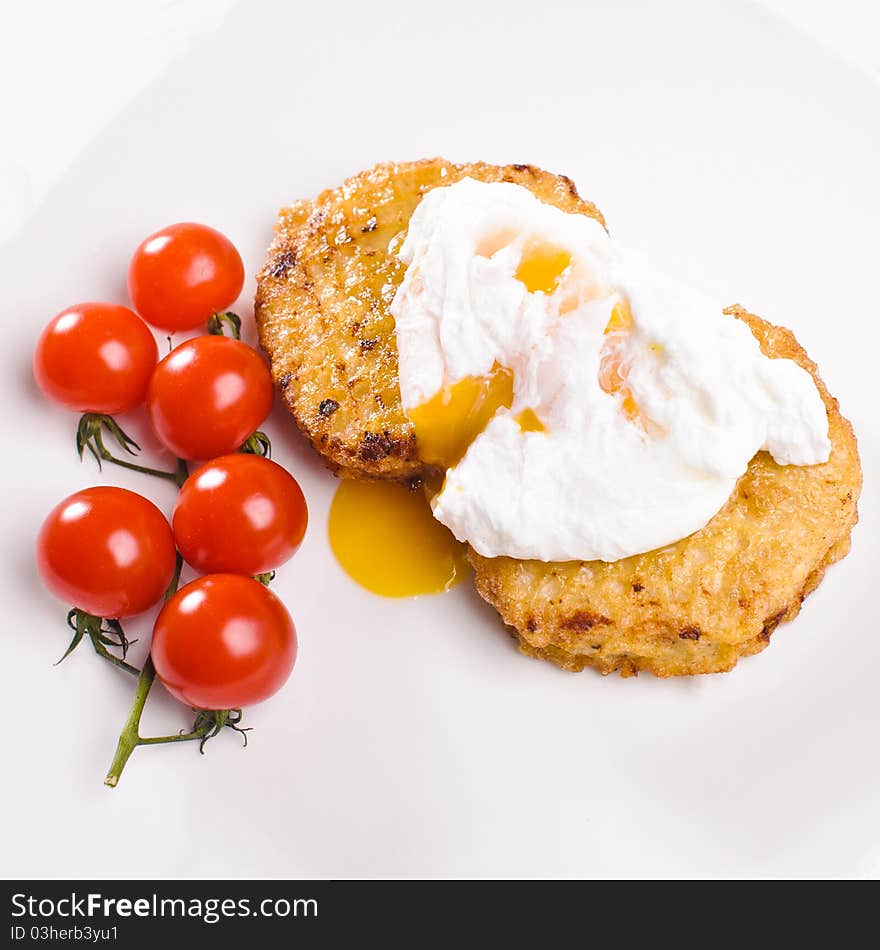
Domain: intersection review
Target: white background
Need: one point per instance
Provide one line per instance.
(67, 68)
(413, 740)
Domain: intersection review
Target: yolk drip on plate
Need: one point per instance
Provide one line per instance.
(450, 420)
(387, 540)
(384, 535)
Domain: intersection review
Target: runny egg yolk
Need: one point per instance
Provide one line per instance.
(621, 319)
(612, 373)
(529, 422)
(383, 535)
(387, 540)
(541, 267)
(451, 419)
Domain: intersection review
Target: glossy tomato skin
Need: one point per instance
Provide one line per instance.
(239, 514)
(223, 642)
(107, 551)
(208, 396)
(181, 275)
(96, 357)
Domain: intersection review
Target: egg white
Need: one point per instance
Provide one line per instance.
(595, 484)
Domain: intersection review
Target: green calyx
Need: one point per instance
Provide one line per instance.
(104, 635)
(219, 323)
(258, 444)
(90, 435)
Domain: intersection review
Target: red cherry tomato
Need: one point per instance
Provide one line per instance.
(181, 275)
(108, 551)
(223, 642)
(96, 357)
(208, 396)
(239, 514)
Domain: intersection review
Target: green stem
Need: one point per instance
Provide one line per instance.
(90, 435)
(208, 723)
(199, 733)
(129, 738)
(180, 476)
(107, 456)
(101, 650)
(175, 577)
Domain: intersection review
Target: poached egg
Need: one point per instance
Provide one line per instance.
(582, 405)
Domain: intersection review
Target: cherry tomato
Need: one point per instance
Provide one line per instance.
(96, 357)
(223, 642)
(208, 396)
(108, 551)
(239, 514)
(181, 275)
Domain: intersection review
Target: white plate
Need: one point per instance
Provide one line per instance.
(413, 740)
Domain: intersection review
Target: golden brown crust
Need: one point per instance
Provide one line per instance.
(322, 307)
(699, 605)
(694, 607)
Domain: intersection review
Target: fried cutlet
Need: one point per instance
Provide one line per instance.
(322, 307)
(696, 606)
(700, 604)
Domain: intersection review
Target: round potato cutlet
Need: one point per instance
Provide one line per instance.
(696, 606)
(322, 307)
(699, 605)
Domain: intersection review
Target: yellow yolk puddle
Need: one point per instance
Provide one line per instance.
(387, 540)
(541, 267)
(529, 422)
(449, 421)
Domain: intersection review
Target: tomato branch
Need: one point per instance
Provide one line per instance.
(208, 723)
